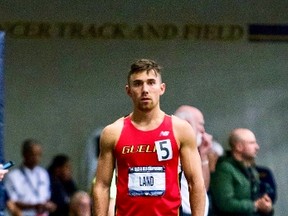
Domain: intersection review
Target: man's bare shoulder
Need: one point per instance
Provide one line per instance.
(113, 130)
(182, 129)
(179, 124)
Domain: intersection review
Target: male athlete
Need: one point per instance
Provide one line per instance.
(146, 146)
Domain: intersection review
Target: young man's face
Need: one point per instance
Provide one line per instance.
(145, 90)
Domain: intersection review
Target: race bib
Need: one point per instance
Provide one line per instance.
(146, 181)
(164, 150)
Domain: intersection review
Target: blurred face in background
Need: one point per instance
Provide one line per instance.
(196, 119)
(33, 157)
(250, 146)
(65, 171)
(245, 146)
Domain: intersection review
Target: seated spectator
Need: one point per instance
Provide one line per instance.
(28, 186)
(62, 184)
(235, 184)
(80, 204)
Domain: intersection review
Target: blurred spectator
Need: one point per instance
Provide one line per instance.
(214, 154)
(28, 186)
(80, 204)
(235, 184)
(62, 184)
(267, 182)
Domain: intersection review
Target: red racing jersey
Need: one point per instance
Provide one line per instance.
(147, 171)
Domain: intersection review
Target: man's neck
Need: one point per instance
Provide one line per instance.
(31, 167)
(147, 120)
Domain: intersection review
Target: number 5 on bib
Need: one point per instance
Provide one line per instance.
(164, 150)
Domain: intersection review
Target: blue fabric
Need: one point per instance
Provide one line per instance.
(1, 97)
(2, 191)
(267, 182)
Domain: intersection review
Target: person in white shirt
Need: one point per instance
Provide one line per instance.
(28, 186)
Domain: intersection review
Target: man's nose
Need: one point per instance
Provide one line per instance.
(145, 87)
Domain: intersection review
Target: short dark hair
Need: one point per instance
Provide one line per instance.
(144, 65)
(58, 161)
(28, 144)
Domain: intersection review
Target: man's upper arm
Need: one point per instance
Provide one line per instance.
(106, 161)
(190, 159)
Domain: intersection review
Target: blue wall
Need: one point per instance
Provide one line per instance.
(2, 197)
(1, 96)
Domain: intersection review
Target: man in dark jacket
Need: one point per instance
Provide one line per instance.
(235, 185)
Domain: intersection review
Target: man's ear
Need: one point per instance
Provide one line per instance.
(128, 90)
(163, 88)
(239, 146)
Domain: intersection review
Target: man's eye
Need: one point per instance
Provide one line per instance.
(136, 84)
(152, 82)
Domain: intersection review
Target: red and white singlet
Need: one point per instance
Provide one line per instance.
(147, 171)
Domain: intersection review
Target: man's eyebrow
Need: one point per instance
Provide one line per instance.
(140, 80)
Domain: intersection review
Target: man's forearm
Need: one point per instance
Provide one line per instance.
(206, 172)
(100, 202)
(24, 206)
(197, 200)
